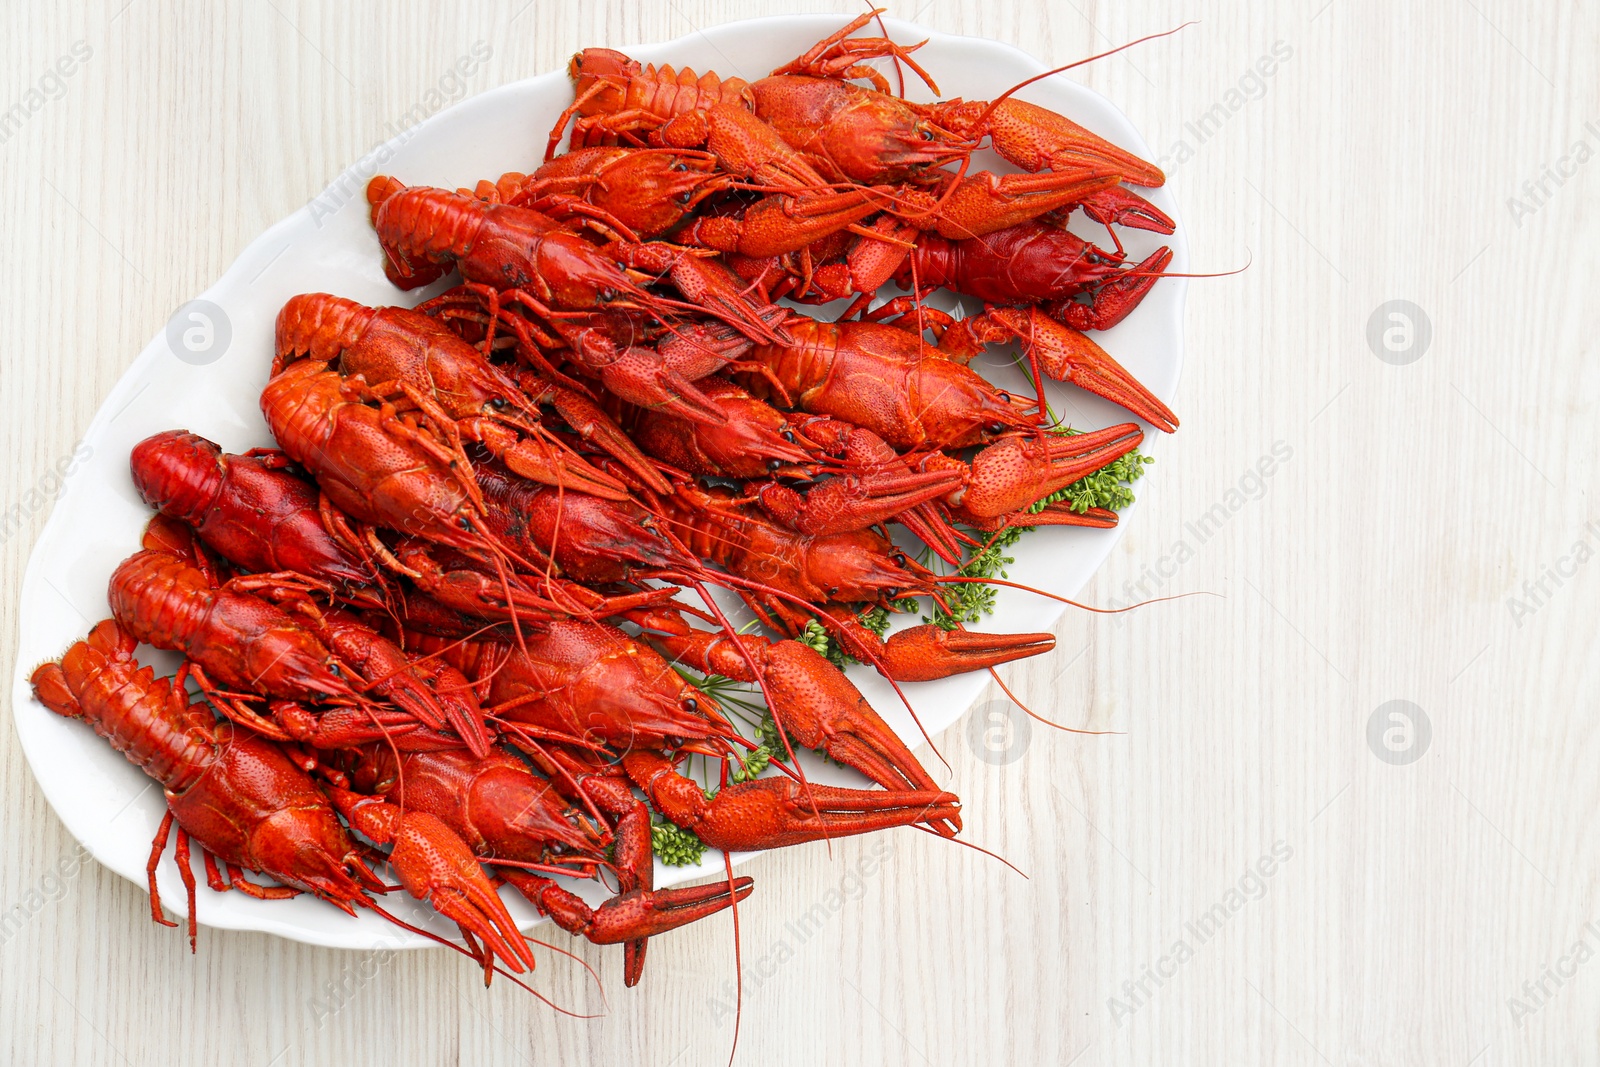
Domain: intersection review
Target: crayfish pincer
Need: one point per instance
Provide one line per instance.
(247, 804)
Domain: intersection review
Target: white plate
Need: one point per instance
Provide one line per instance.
(111, 806)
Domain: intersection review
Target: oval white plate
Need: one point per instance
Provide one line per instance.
(108, 804)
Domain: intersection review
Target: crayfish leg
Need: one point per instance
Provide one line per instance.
(186, 872)
(157, 847)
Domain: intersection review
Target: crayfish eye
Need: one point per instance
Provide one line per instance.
(774, 464)
(1003, 396)
(788, 435)
(833, 591)
(691, 704)
(684, 198)
(925, 133)
(900, 561)
(996, 427)
(607, 295)
(498, 403)
(680, 165)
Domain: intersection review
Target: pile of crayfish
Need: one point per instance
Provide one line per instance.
(458, 623)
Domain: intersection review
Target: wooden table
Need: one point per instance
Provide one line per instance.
(1269, 862)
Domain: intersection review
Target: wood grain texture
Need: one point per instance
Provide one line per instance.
(1411, 908)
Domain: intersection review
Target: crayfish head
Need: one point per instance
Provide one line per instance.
(651, 190)
(756, 441)
(973, 412)
(868, 136)
(905, 150)
(309, 850)
(520, 248)
(993, 413)
(757, 450)
(881, 138)
(861, 565)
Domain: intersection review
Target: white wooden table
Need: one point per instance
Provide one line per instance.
(1253, 870)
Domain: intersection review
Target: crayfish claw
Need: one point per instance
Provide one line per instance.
(1014, 472)
(777, 812)
(1061, 351)
(1123, 207)
(1113, 301)
(854, 502)
(1035, 138)
(540, 461)
(1055, 513)
(923, 653)
(645, 913)
(641, 376)
(984, 203)
(435, 865)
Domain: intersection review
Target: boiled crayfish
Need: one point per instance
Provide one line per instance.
(439, 625)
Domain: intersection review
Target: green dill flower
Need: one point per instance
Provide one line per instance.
(816, 637)
(751, 764)
(675, 846)
(875, 619)
(767, 732)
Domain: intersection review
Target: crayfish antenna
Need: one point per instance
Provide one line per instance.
(1079, 63)
(738, 967)
(975, 847)
(993, 673)
(962, 579)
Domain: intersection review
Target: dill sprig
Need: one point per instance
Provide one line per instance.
(971, 601)
(675, 846)
(752, 763)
